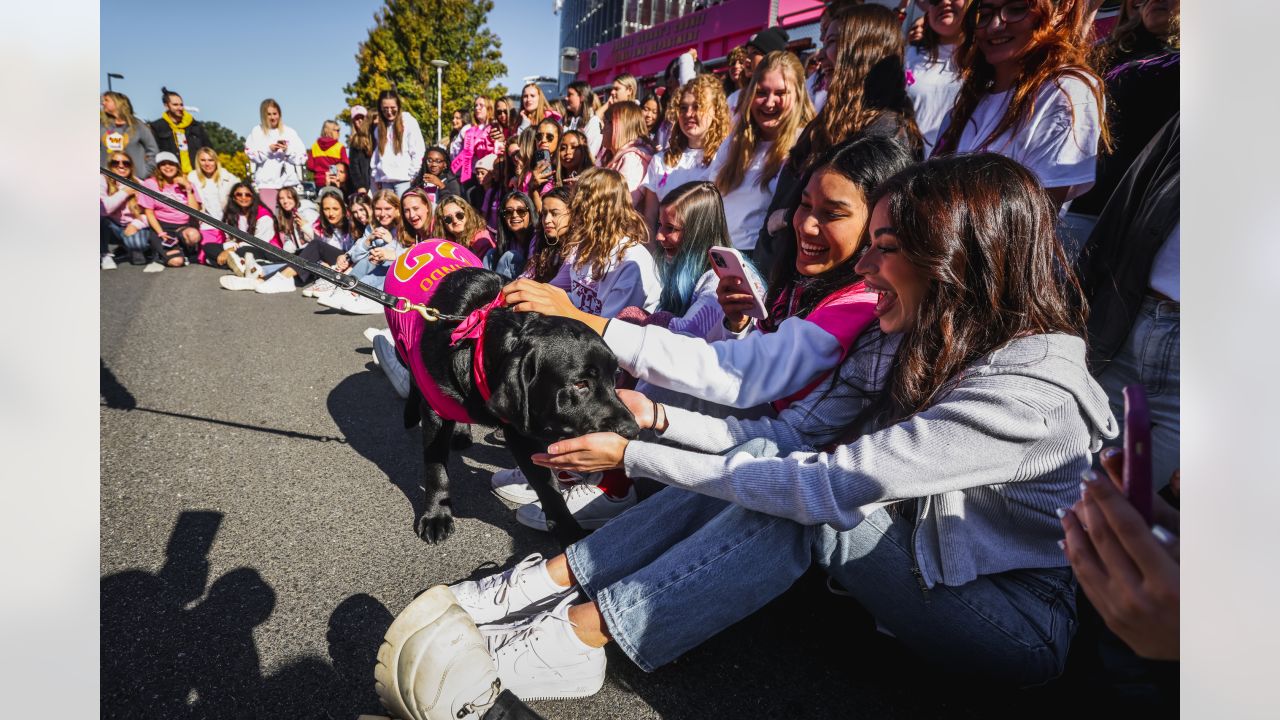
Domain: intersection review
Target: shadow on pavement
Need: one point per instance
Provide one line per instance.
(175, 645)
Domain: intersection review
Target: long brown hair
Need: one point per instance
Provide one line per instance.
(472, 222)
(360, 139)
(983, 232)
(604, 222)
(746, 136)
(397, 129)
(397, 225)
(867, 80)
(124, 109)
(709, 93)
(1056, 51)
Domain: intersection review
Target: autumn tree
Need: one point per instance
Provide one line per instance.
(407, 36)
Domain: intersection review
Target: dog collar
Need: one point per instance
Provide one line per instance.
(473, 327)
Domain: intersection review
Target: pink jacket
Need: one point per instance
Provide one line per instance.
(476, 143)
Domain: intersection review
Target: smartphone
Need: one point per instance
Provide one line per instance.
(1137, 451)
(728, 262)
(541, 156)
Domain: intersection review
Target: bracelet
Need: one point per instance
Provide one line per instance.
(659, 417)
(653, 404)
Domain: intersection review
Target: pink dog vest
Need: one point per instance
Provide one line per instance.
(415, 275)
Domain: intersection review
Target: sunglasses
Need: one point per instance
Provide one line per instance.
(545, 136)
(515, 212)
(244, 195)
(1009, 14)
(456, 217)
(123, 163)
(503, 111)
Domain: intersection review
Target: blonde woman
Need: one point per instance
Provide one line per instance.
(534, 108)
(121, 131)
(607, 265)
(277, 153)
(625, 147)
(122, 220)
(699, 119)
(746, 171)
(214, 184)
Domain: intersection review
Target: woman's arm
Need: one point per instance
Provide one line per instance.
(265, 229)
(256, 146)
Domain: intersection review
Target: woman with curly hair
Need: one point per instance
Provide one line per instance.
(699, 120)
(459, 223)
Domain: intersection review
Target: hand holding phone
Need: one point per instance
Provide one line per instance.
(729, 263)
(1137, 451)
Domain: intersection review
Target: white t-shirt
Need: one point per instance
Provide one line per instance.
(1059, 142)
(631, 278)
(746, 206)
(819, 97)
(933, 90)
(1166, 267)
(661, 179)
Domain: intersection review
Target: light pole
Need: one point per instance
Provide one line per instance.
(439, 65)
(110, 75)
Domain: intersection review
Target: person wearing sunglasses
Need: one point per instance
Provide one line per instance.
(545, 173)
(516, 235)
(122, 221)
(931, 64)
(1029, 94)
(459, 223)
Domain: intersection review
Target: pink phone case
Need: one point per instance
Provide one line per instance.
(728, 262)
(1137, 451)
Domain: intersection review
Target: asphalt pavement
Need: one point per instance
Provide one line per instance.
(257, 537)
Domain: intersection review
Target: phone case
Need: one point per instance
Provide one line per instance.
(1137, 450)
(728, 262)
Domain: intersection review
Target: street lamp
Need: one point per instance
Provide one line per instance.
(110, 75)
(439, 65)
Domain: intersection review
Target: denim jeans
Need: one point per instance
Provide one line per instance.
(369, 272)
(1150, 356)
(680, 567)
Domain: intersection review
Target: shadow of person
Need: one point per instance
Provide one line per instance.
(114, 394)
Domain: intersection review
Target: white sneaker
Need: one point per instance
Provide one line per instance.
(361, 305)
(434, 663)
(231, 282)
(542, 659)
(318, 288)
(108, 262)
(588, 504)
(251, 265)
(384, 353)
(277, 283)
(512, 486)
(524, 590)
(153, 266)
(235, 263)
(335, 299)
(372, 332)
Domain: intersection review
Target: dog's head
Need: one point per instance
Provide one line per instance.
(556, 378)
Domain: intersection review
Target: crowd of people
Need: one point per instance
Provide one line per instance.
(968, 242)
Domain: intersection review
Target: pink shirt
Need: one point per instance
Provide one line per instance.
(476, 143)
(164, 213)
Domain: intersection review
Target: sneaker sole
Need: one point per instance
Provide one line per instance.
(589, 524)
(570, 695)
(504, 492)
(424, 610)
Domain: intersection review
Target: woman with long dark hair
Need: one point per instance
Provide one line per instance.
(360, 150)
(245, 212)
(574, 156)
(398, 147)
(546, 252)
(516, 235)
(583, 113)
(952, 436)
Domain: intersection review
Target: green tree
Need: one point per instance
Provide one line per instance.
(407, 36)
(223, 139)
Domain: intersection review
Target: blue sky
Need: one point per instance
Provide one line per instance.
(302, 54)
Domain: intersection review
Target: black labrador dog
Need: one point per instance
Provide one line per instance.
(551, 378)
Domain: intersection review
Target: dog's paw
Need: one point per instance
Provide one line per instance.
(435, 526)
(461, 439)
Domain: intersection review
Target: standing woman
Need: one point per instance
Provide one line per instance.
(739, 73)
(651, 111)
(582, 113)
(746, 170)
(456, 122)
(177, 132)
(360, 150)
(505, 118)
(398, 147)
(545, 168)
(121, 131)
(1028, 93)
(625, 148)
(575, 156)
(276, 151)
(934, 75)
(214, 184)
(534, 108)
(175, 241)
(326, 152)
(699, 118)
(477, 139)
(625, 88)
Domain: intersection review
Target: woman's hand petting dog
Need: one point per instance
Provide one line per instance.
(589, 453)
(525, 295)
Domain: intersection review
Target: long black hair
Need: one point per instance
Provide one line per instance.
(545, 259)
(232, 213)
(508, 239)
(866, 161)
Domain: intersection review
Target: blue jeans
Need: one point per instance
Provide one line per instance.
(369, 272)
(1150, 356)
(110, 232)
(680, 567)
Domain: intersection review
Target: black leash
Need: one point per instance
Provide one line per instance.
(339, 279)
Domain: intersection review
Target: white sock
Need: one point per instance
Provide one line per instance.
(544, 579)
(573, 643)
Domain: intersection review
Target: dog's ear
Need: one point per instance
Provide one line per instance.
(510, 399)
(413, 406)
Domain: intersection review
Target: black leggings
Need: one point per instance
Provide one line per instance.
(317, 251)
(165, 253)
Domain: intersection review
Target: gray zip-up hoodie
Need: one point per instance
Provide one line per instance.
(990, 461)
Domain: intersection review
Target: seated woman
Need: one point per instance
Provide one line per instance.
(175, 239)
(214, 184)
(625, 147)
(575, 157)
(515, 236)
(369, 259)
(122, 219)
(546, 251)
(459, 223)
(953, 435)
(330, 239)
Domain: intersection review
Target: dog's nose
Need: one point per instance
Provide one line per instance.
(627, 427)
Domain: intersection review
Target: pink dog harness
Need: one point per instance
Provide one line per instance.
(415, 276)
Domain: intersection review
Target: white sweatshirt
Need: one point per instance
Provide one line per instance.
(630, 279)
(275, 169)
(393, 167)
(213, 194)
(759, 368)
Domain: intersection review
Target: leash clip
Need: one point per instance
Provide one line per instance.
(403, 305)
